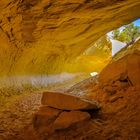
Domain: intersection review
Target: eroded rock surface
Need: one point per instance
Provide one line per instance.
(127, 68)
(46, 36)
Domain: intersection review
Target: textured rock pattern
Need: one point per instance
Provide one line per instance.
(127, 68)
(36, 34)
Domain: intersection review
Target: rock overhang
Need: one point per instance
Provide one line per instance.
(45, 36)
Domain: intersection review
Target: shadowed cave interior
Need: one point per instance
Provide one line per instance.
(69, 70)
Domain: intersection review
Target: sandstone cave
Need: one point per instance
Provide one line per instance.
(69, 69)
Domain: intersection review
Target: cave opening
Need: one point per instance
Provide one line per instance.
(114, 44)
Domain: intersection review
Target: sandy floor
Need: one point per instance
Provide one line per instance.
(117, 120)
(18, 115)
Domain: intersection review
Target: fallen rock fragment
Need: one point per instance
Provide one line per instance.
(67, 102)
(67, 119)
(60, 111)
(45, 116)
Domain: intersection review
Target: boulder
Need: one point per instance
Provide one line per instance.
(67, 102)
(68, 119)
(45, 116)
(126, 69)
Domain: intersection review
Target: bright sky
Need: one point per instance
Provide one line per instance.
(137, 22)
(117, 45)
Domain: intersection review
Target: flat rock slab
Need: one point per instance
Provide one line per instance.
(68, 119)
(67, 102)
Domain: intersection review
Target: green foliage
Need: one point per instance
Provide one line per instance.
(116, 34)
(128, 35)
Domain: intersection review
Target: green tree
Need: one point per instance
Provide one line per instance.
(128, 35)
(116, 34)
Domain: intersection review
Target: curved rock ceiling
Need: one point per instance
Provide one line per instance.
(46, 36)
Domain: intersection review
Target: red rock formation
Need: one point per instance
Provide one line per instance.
(127, 68)
(118, 95)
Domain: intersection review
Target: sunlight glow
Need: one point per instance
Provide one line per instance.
(94, 73)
